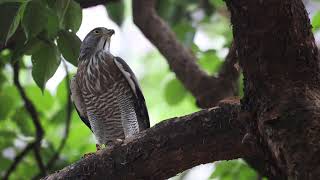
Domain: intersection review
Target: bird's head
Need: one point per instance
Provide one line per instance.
(97, 39)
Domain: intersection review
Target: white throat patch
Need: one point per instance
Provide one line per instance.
(107, 45)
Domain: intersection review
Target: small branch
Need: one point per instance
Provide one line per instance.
(208, 90)
(69, 106)
(35, 119)
(67, 121)
(18, 159)
(166, 149)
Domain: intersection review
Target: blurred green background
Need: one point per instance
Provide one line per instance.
(47, 30)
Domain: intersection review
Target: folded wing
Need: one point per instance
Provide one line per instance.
(140, 105)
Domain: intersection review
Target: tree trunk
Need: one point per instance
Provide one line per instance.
(280, 62)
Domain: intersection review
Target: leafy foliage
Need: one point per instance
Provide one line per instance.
(45, 62)
(316, 21)
(69, 45)
(34, 19)
(116, 12)
(174, 92)
(8, 10)
(210, 62)
(42, 23)
(235, 169)
(16, 20)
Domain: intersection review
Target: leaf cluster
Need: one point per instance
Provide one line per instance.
(44, 30)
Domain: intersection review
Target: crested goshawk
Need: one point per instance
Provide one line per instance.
(105, 91)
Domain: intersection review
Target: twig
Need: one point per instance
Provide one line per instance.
(35, 145)
(17, 160)
(68, 121)
(69, 106)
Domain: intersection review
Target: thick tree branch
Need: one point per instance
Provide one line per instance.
(166, 149)
(35, 145)
(208, 90)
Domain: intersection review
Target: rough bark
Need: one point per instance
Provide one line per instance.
(280, 62)
(166, 149)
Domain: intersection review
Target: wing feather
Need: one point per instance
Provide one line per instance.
(140, 105)
(78, 102)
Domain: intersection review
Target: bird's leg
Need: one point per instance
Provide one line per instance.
(99, 147)
(113, 143)
(109, 144)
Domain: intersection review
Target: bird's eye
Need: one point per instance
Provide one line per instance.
(96, 31)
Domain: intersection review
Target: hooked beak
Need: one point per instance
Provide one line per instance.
(110, 32)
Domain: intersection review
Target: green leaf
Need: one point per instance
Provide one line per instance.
(29, 48)
(210, 62)
(10, 97)
(12, 1)
(42, 101)
(22, 118)
(174, 92)
(7, 12)
(5, 163)
(5, 57)
(17, 51)
(172, 11)
(165, 9)
(52, 26)
(59, 116)
(116, 11)
(62, 92)
(217, 3)
(16, 21)
(45, 62)
(3, 79)
(69, 46)
(234, 169)
(316, 21)
(185, 33)
(73, 17)
(14, 94)
(35, 18)
(32, 46)
(9, 104)
(60, 7)
(69, 13)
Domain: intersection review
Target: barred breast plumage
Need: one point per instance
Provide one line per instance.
(114, 105)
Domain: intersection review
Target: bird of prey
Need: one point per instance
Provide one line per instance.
(106, 92)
